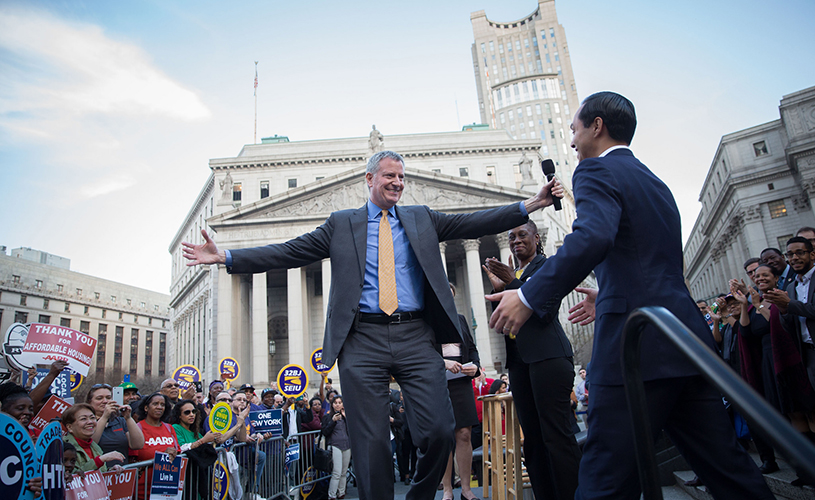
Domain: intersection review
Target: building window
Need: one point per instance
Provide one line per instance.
(149, 321)
(463, 171)
(162, 352)
(500, 48)
(59, 288)
(264, 189)
(777, 209)
(436, 170)
(67, 307)
(44, 319)
(155, 307)
(78, 292)
(483, 48)
(760, 148)
(66, 322)
(770, 186)
(148, 353)
(136, 319)
(503, 118)
(85, 327)
(492, 47)
(23, 300)
(782, 240)
(121, 316)
(128, 301)
(20, 317)
(45, 303)
(134, 350)
(87, 309)
(292, 183)
(538, 108)
(15, 279)
(117, 349)
(104, 313)
(96, 295)
(38, 284)
(113, 298)
(101, 346)
(236, 191)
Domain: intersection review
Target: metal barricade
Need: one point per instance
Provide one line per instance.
(301, 473)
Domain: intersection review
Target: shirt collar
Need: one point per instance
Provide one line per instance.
(374, 211)
(806, 277)
(612, 148)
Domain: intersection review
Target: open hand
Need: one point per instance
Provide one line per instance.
(583, 312)
(205, 253)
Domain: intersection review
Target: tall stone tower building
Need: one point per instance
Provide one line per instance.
(525, 81)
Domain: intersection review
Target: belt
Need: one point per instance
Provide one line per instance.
(384, 319)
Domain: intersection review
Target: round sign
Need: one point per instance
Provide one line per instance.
(19, 464)
(76, 380)
(308, 486)
(230, 369)
(220, 480)
(186, 375)
(220, 417)
(292, 381)
(13, 345)
(317, 362)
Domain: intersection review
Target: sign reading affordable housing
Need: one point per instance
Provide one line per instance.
(48, 343)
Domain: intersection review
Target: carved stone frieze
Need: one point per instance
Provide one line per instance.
(808, 185)
(801, 202)
(751, 214)
(809, 116)
(470, 245)
(503, 240)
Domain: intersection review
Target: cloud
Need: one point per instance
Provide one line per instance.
(106, 186)
(94, 73)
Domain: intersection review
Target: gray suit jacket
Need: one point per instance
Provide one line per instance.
(343, 238)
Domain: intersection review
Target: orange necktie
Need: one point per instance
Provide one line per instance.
(388, 301)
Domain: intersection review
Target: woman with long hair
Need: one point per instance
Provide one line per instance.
(541, 373)
(188, 425)
(335, 429)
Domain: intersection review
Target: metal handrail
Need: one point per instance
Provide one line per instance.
(800, 453)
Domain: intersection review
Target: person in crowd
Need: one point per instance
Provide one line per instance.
(252, 461)
(315, 409)
(541, 367)
(232, 391)
(293, 417)
(498, 387)
(703, 307)
(249, 390)
(407, 461)
(199, 398)
(188, 426)
(40, 394)
(335, 429)
(329, 398)
(775, 259)
(215, 387)
(69, 458)
(396, 414)
(727, 335)
(170, 388)
(481, 387)
(580, 388)
(278, 401)
(462, 363)
(16, 402)
(628, 232)
(237, 430)
(130, 392)
(80, 422)
(267, 398)
(115, 428)
(159, 436)
(371, 326)
(808, 233)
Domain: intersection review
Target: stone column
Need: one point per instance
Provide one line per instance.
(224, 305)
(298, 316)
(260, 332)
(503, 247)
(754, 230)
(731, 261)
(477, 302)
(443, 252)
(326, 286)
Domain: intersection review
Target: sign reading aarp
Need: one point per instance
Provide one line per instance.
(48, 343)
(267, 421)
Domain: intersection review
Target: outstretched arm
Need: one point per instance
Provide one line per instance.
(544, 197)
(583, 312)
(205, 253)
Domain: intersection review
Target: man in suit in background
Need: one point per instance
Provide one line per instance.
(772, 257)
(389, 292)
(628, 231)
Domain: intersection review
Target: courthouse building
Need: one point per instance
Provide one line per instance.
(130, 324)
(757, 193)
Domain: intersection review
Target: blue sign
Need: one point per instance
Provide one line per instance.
(267, 421)
(292, 453)
(49, 453)
(220, 478)
(61, 385)
(166, 475)
(18, 462)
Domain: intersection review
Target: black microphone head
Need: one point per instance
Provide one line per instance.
(548, 167)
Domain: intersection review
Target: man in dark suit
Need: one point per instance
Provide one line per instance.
(628, 231)
(772, 257)
(389, 292)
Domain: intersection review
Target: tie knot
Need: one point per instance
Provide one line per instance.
(384, 214)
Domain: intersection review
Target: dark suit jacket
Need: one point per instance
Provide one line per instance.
(786, 279)
(343, 238)
(628, 231)
(539, 338)
(796, 309)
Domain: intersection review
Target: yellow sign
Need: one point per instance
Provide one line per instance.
(292, 381)
(220, 418)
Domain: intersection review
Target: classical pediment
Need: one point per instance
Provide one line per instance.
(317, 200)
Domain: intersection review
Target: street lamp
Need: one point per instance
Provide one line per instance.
(272, 348)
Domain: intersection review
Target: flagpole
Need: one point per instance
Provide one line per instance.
(256, 102)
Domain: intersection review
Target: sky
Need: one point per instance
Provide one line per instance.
(110, 111)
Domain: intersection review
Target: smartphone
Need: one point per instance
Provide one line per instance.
(198, 386)
(119, 395)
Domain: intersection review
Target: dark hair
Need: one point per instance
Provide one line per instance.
(95, 388)
(771, 249)
(616, 111)
(331, 411)
(801, 239)
(312, 400)
(66, 446)
(805, 228)
(534, 230)
(328, 379)
(196, 426)
(145, 402)
(701, 300)
(750, 261)
(69, 416)
(775, 273)
(496, 386)
(10, 392)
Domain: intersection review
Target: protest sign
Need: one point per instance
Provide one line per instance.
(48, 343)
(53, 408)
(91, 487)
(49, 453)
(61, 385)
(292, 381)
(75, 380)
(292, 453)
(18, 460)
(186, 375)
(220, 482)
(220, 417)
(317, 362)
(167, 481)
(121, 485)
(13, 345)
(230, 369)
(267, 421)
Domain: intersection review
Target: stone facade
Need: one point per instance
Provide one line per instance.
(757, 194)
(130, 324)
(290, 188)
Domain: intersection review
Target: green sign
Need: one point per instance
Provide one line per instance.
(220, 418)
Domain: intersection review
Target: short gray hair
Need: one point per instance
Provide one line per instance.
(373, 161)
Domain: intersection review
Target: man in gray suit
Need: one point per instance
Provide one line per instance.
(389, 294)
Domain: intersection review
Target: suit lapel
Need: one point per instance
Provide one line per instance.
(359, 228)
(408, 222)
(533, 266)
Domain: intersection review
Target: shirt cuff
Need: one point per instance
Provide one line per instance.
(98, 462)
(523, 299)
(228, 262)
(523, 210)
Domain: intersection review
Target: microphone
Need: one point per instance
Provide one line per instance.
(548, 167)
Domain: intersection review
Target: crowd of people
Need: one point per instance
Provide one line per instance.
(763, 329)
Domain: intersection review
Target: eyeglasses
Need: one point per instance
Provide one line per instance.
(170, 385)
(223, 399)
(796, 253)
(100, 386)
(187, 412)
